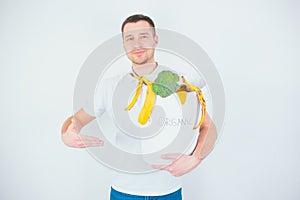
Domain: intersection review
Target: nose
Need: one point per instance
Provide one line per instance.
(137, 44)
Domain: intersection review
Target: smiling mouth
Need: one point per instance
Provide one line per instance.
(139, 52)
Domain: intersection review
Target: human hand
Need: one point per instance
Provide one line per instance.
(181, 164)
(72, 138)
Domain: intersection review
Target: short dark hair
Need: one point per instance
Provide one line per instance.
(136, 18)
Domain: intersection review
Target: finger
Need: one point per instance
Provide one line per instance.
(168, 168)
(93, 144)
(84, 145)
(171, 156)
(81, 144)
(91, 141)
(177, 174)
(75, 144)
(87, 138)
(160, 167)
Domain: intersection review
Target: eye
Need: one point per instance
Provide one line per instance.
(129, 39)
(144, 36)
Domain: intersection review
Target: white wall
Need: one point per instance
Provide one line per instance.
(254, 45)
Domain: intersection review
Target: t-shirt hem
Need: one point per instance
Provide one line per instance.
(146, 193)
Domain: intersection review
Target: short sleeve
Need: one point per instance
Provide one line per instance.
(103, 95)
(100, 98)
(194, 80)
(199, 82)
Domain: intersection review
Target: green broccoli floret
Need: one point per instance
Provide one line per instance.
(165, 84)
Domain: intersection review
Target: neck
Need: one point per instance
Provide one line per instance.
(144, 69)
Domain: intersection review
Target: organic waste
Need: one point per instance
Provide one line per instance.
(165, 84)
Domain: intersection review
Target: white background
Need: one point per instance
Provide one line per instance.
(254, 45)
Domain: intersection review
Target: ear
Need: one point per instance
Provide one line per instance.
(156, 40)
(123, 44)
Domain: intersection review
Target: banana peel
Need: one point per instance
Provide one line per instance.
(182, 96)
(148, 105)
(137, 93)
(149, 101)
(200, 98)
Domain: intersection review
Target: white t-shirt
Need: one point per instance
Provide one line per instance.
(159, 182)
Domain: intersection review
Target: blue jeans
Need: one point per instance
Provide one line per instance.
(115, 195)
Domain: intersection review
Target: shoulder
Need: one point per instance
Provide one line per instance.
(110, 82)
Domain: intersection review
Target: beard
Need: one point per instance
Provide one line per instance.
(139, 61)
(147, 57)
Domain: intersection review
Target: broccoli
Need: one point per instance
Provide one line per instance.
(165, 84)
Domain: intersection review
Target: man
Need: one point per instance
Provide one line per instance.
(139, 41)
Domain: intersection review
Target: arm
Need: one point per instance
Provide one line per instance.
(71, 129)
(207, 138)
(183, 164)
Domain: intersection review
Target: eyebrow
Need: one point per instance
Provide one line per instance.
(144, 33)
(127, 36)
(131, 35)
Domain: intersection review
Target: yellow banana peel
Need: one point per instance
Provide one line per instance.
(149, 101)
(148, 105)
(200, 98)
(182, 96)
(137, 93)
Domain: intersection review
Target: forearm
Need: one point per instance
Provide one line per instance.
(82, 118)
(206, 139)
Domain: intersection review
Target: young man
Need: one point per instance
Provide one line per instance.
(139, 41)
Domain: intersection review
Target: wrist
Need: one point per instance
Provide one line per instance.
(198, 156)
(66, 124)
